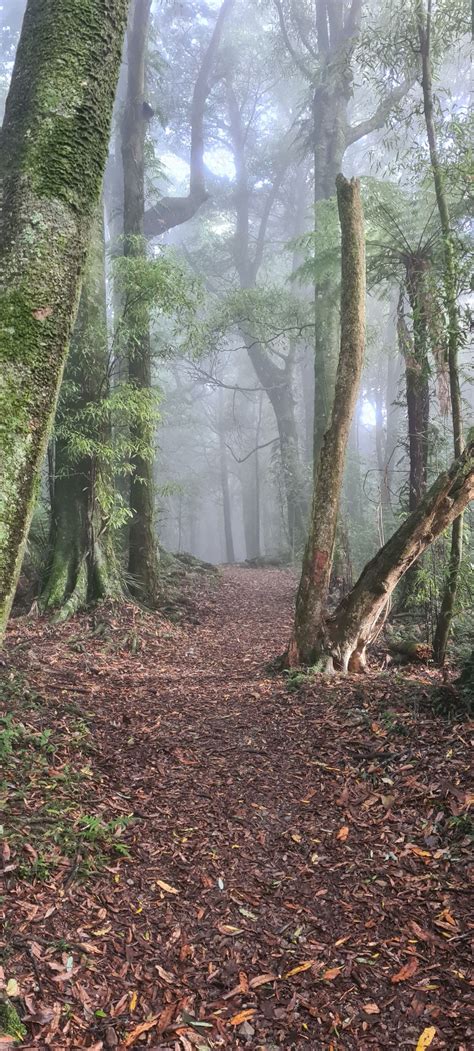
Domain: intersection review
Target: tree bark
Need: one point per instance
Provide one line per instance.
(346, 635)
(143, 553)
(313, 590)
(82, 566)
(224, 474)
(446, 612)
(53, 149)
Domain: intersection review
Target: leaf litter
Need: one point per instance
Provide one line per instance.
(199, 858)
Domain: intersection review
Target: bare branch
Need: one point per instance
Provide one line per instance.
(378, 119)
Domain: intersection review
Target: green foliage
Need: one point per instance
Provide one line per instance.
(10, 1022)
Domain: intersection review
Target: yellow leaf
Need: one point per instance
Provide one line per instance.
(296, 837)
(242, 1016)
(343, 833)
(166, 887)
(133, 1001)
(426, 1038)
(301, 967)
(332, 973)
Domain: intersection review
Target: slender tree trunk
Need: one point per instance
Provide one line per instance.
(312, 594)
(82, 565)
(224, 473)
(449, 598)
(346, 635)
(52, 154)
(417, 381)
(143, 544)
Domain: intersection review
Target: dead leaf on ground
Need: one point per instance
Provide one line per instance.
(426, 1038)
(305, 966)
(343, 833)
(406, 972)
(242, 1016)
(371, 1009)
(332, 973)
(166, 887)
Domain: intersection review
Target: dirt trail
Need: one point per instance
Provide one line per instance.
(296, 856)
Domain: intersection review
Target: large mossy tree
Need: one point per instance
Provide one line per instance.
(53, 148)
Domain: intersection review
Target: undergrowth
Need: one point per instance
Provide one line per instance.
(49, 826)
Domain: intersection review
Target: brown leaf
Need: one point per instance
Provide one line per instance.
(343, 833)
(406, 972)
(144, 1027)
(371, 1009)
(332, 973)
(166, 887)
(261, 979)
(244, 982)
(242, 1016)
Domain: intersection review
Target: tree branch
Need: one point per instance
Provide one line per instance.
(173, 211)
(378, 119)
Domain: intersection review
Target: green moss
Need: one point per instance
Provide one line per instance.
(10, 1022)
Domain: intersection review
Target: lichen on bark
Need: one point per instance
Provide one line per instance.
(53, 148)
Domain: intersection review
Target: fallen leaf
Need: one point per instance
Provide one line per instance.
(418, 851)
(426, 1038)
(332, 973)
(166, 887)
(301, 967)
(242, 1016)
(406, 972)
(133, 1001)
(12, 987)
(261, 979)
(343, 833)
(296, 837)
(371, 1009)
(144, 1027)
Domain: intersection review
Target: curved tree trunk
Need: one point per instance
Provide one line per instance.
(329, 470)
(345, 636)
(82, 567)
(52, 156)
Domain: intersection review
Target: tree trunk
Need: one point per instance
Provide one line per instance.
(53, 149)
(329, 471)
(417, 380)
(143, 544)
(224, 473)
(345, 636)
(449, 598)
(82, 566)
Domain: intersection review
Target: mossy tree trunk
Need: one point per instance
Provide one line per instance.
(143, 554)
(344, 638)
(53, 148)
(329, 469)
(82, 567)
(448, 602)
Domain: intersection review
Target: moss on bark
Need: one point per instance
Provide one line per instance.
(52, 153)
(329, 468)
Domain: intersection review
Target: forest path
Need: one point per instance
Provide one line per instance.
(287, 858)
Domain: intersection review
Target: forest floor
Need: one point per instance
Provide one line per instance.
(197, 854)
